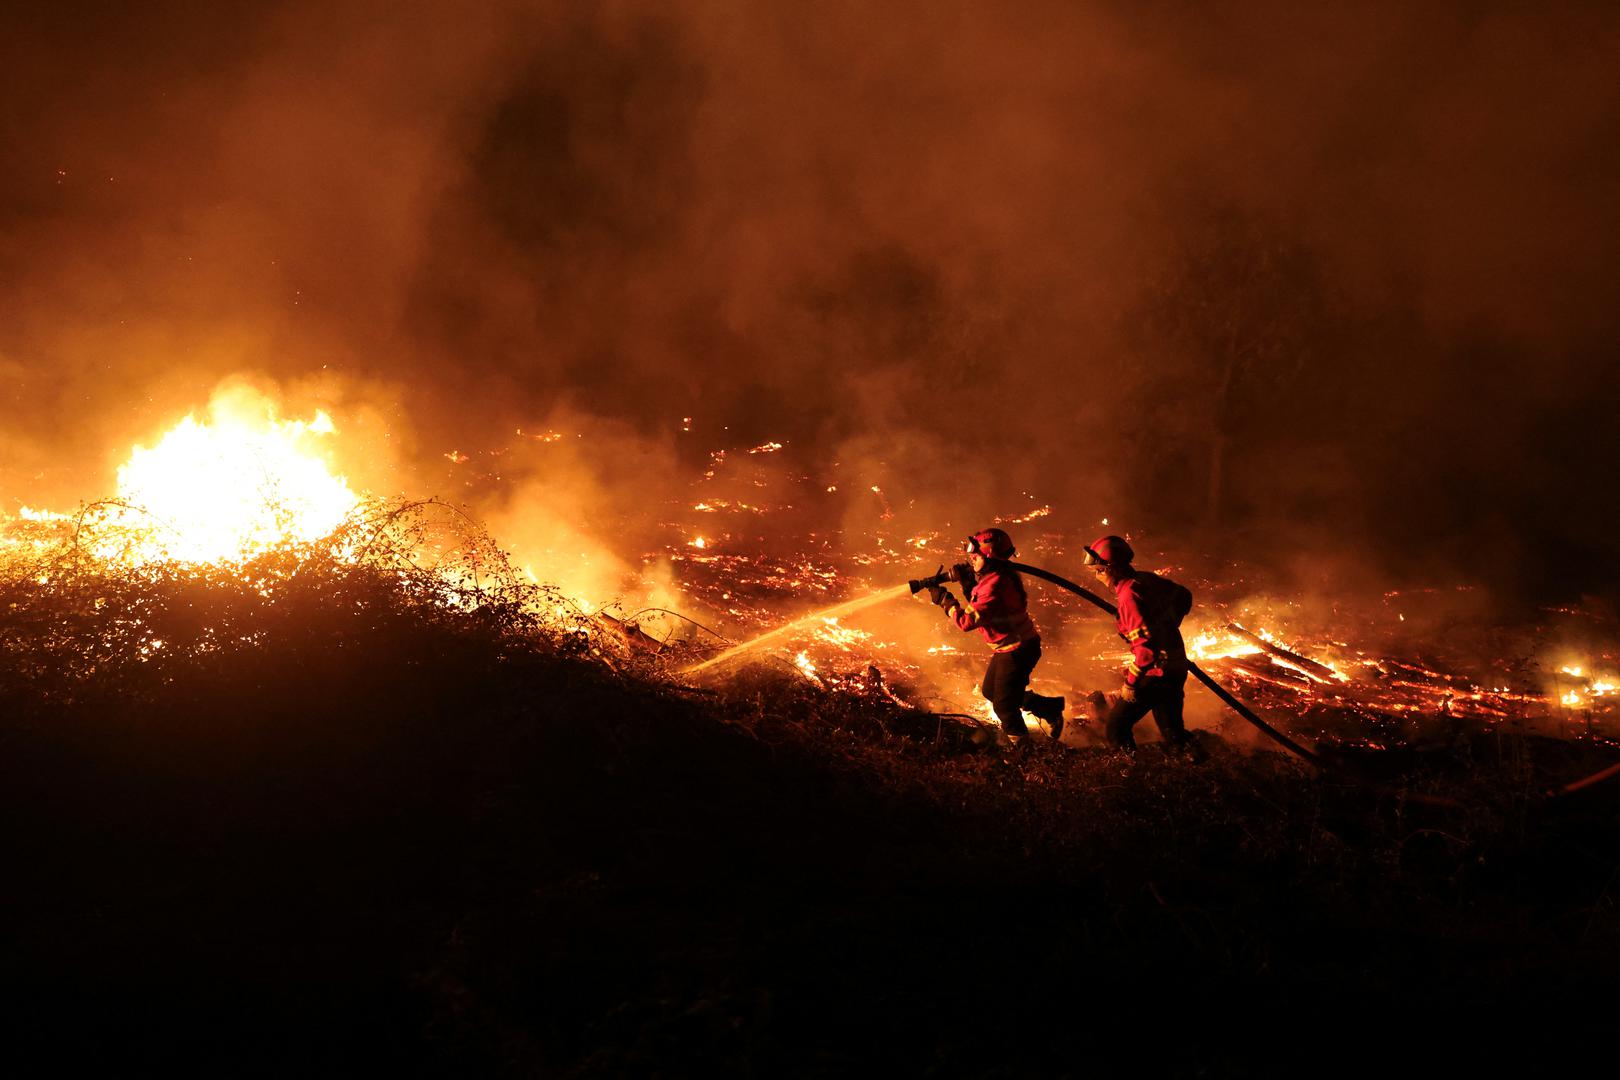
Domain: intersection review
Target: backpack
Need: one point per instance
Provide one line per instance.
(1180, 600)
(1176, 597)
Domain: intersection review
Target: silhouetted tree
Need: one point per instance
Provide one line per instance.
(1241, 305)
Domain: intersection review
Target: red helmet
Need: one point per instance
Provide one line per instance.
(1109, 551)
(991, 543)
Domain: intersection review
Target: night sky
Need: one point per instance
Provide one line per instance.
(1367, 254)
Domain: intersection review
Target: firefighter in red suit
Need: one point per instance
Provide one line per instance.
(998, 608)
(1150, 612)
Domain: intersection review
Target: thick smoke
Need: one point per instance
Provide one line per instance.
(982, 256)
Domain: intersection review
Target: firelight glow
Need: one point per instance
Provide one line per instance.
(235, 485)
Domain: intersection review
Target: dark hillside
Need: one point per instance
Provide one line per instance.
(336, 823)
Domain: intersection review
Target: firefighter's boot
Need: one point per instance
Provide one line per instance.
(1187, 748)
(1049, 709)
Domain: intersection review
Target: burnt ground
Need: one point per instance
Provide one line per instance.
(364, 835)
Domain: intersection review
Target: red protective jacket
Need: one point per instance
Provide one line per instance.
(998, 608)
(1150, 612)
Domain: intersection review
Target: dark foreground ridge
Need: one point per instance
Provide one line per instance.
(335, 824)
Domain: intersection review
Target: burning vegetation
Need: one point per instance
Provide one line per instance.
(245, 499)
(381, 760)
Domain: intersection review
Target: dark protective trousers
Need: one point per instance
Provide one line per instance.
(1163, 696)
(1006, 687)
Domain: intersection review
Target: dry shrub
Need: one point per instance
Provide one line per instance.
(78, 622)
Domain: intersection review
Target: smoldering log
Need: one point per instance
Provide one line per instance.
(1319, 672)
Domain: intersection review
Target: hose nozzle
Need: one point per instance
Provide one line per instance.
(934, 580)
(961, 572)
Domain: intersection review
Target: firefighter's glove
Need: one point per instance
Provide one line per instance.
(1127, 692)
(938, 595)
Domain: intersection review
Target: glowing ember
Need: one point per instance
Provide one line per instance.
(1024, 519)
(1213, 645)
(234, 486)
(843, 636)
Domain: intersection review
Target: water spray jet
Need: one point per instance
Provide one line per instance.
(848, 607)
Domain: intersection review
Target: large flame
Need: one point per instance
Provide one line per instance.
(239, 483)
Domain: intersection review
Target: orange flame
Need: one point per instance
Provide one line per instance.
(239, 483)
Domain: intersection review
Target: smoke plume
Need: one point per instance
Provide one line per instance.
(1266, 281)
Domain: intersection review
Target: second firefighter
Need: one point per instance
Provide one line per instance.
(1150, 612)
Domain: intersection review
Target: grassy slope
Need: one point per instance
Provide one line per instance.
(335, 826)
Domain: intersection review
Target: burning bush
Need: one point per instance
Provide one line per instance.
(80, 622)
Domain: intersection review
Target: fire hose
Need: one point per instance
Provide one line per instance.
(1086, 594)
(1216, 688)
(1586, 781)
